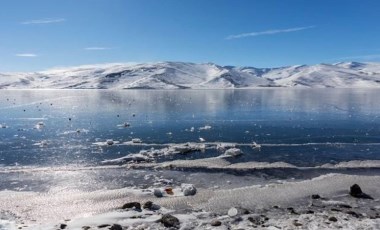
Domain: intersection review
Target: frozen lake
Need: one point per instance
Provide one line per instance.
(304, 127)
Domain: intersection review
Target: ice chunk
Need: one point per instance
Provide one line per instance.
(136, 140)
(234, 152)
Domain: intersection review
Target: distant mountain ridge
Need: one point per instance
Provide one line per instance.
(185, 75)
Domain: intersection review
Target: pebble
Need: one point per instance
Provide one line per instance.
(157, 192)
(148, 205)
(333, 219)
(215, 223)
(232, 212)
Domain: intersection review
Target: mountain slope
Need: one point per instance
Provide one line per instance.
(182, 75)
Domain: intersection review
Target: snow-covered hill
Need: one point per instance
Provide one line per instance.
(183, 75)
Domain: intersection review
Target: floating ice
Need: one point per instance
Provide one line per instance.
(125, 125)
(137, 157)
(110, 142)
(40, 125)
(255, 145)
(223, 146)
(151, 154)
(136, 140)
(202, 139)
(206, 127)
(234, 152)
(42, 144)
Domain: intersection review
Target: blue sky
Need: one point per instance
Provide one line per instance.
(40, 34)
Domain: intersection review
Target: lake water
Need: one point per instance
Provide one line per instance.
(304, 127)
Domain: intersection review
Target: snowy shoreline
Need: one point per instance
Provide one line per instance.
(283, 205)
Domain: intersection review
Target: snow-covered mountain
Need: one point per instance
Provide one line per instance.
(183, 75)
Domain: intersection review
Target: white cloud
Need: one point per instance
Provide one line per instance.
(97, 48)
(268, 32)
(362, 57)
(44, 21)
(30, 55)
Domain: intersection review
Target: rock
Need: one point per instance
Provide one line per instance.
(357, 192)
(169, 191)
(295, 223)
(148, 205)
(86, 227)
(188, 189)
(333, 219)
(63, 226)
(157, 192)
(216, 223)
(116, 227)
(136, 205)
(103, 225)
(257, 219)
(233, 212)
(292, 211)
(169, 221)
(354, 214)
(315, 196)
(343, 206)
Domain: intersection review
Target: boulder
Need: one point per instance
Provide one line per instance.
(169, 221)
(188, 189)
(136, 205)
(157, 192)
(357, 192)
(116, 227)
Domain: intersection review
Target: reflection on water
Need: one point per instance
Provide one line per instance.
(343, 124)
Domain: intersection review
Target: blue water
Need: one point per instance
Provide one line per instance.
(305, 127)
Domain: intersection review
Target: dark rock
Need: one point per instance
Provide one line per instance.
(169, 221)
(276, 207)
(136, 205)
(157, 193)
(63, 226)
(216, 223)
(86, 227)
(315, 196)
(343, 206)
(354, 214)
(335, 210)
(309, 212)
(357, 192)
(104, 225)
(292, 211)
(333, 219)
(148, 205)
(245, 211)
(116, 227)
(237, 220)
(256, 219)
(295, 223)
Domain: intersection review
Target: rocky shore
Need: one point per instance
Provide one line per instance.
(351, 209)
